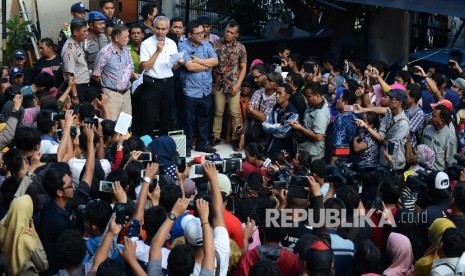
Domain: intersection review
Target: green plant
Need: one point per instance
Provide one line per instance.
(18, 36)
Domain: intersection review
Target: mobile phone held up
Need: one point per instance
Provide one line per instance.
(145, 157)
(106, 186)
(120, 212)
(181, 164)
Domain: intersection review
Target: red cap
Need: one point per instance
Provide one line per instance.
(445, 103)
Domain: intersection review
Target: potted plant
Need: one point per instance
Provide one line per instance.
(18, 35)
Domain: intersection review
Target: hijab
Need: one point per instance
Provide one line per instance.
(423, 265)
(16, 241)
(164, 148)
(400, 251)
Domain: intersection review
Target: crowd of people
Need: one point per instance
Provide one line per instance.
(320, 136)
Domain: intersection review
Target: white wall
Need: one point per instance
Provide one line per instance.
(52, 14)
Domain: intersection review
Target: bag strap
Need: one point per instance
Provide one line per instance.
(259, 106)
(449, 266)
(397, 123)
(218, 264)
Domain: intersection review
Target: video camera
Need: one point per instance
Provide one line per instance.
(455, 171)
(418, 185)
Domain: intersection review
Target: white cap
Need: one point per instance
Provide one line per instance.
(192, 230)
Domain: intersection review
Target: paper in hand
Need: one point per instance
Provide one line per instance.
(174, 58)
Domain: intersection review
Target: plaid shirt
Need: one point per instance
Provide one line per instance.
(263, 103)
(416, 123)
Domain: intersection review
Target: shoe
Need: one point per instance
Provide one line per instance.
(206, 149)
(235, 145)
(215, 142)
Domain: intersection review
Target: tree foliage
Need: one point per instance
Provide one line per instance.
(18, 35)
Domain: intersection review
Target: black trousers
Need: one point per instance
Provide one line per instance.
(155, 103)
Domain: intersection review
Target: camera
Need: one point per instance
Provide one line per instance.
(90, 121)
(454, 171)
(56, 116)
(418, 185)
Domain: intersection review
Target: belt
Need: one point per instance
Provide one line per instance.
(148, 78)
(117, 91)
(83, 84)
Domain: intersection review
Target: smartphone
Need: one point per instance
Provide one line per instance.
(308, 67)
(142, 173)
(279, 185)
(145, 157)
(346, 66)
(181, 164)
(198, 169)
(378, 203)
(390, 148)
(267, 163)
(49, 158)
(296, 188)
(59, 134)
(106, 186)
(232, 165)
(236, 155)
(73, 131)
(372, 70)
(120, 211)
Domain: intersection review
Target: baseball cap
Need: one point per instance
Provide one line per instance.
(438, 180)
(78, 7)
(256, 61)
(96, 16)
(398, 94)
(460, 83)
(275, 77)
(192, 230)
(15, 72)
(320, 257)
(203, 19)
(224, 183)
(19, 53)
(445, 103)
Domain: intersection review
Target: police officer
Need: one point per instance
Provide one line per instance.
(74, 62)
(78, 10)
(96, 38)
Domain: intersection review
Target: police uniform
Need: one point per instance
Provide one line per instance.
(74, 62)
(93, 45)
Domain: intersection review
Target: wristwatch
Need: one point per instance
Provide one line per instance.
(147, 179)
(172, 216)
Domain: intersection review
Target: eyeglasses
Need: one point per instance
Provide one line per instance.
(256, 77)
(199, 33)
(73, 185)
(67, 187)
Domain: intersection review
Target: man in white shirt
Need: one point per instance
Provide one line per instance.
(157, 95)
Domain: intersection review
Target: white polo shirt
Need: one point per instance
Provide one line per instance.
(162, 68)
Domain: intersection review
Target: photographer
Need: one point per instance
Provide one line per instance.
(434, 202)
(47, 125)
(255, 199)
(393, 130)
(8, 133)
(365, 144)
(254, 161)
(457, 203)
